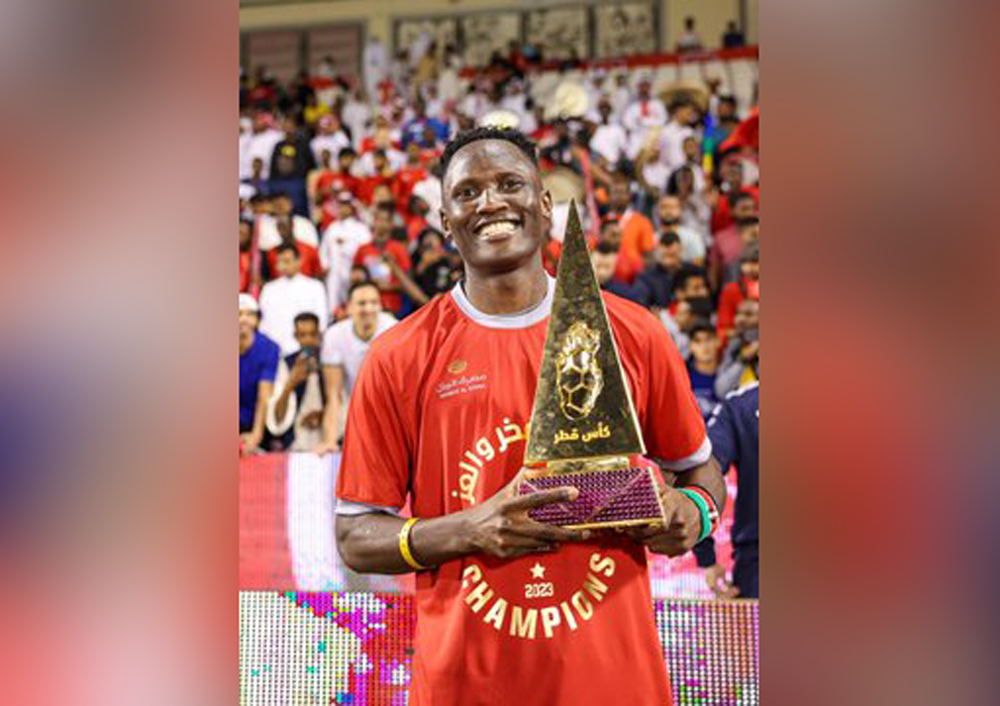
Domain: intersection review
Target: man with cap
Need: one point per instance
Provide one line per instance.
(259, 357)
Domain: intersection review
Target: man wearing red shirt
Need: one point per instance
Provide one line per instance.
(510, 611)
(638, 236)
(309, 255)
(373, 256)
(733, 294)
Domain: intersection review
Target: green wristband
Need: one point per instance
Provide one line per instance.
(706, 518)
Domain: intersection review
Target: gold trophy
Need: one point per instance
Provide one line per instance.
(583, 425)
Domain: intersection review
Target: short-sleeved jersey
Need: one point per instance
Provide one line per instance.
(439, 415)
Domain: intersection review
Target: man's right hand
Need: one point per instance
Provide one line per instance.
(501, 527)
(715, 579)
(299, 372)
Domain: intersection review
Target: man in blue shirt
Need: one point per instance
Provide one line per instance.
(258, 365)
(734, 431)
(413, 130)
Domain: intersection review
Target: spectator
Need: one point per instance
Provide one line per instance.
(703, 365)
(683, 115)
(732, 38)
(688, 41)
(691, 303)
(695, 211)
(742, 369)
(609, 142)
(291, 162)
(734, 429)
(435, 270)
(258, 365)
(656, 283)
(605, 257)
(246, 255)
(263, 138)
(627, 267)
(727, 242)
(341, 241)
(669, 212)
(731, 369)
(747, 287)
(344, 348)
(310, 257)
(638, 236)
(330, 136)
(282, 299)
(414, 129)
(303, 230)
(642, 115)
(295, 410)
(375, 257)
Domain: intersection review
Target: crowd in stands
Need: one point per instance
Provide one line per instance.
(340, 235)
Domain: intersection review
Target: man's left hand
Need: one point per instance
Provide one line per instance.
(681, 531)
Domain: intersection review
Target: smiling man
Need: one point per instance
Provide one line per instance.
(509, 610)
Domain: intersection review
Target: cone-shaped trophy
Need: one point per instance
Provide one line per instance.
(583, 425)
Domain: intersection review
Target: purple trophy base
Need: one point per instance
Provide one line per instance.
(624, 496)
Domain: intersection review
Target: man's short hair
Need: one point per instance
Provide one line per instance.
(346, 152)
(287, 247)
(385, 207)
(358, 285)
(306, 317)
(605, 248)
(702, 326)
(669, 238)
(515, 137)
(688, 272)
(280, 195)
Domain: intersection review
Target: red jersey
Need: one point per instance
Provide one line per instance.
(370, 256)
(309, 257)
(402, 185)
(438, 417)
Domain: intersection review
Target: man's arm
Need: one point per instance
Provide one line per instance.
(333, 376)
(499, 527)
(256, 434)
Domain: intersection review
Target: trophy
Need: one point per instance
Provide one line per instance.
(583, 425)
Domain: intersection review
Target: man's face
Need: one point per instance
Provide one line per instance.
(705, 347)
(287, 263)
(257, 167)
(381, 194)
(604, 265)
(364, 306)
(750, 270)
(245, 235)
(307, 334)
(612, 233)
(345, 161)
(619, 196)
(282, 206)
(694, 287)
(670, 210)
(248, 322)
(494, 207)
(747, 315)
(380, 161)
(381, 225)
(344, 210)
(744, 208)
(683, 316)
(692, 150)
(669, 256)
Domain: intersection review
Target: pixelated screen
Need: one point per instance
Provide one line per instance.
(354, 648)
(286, 534)
(314, 632)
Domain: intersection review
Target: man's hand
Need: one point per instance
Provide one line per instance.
(501, 527)
(681, 531)
(251, 442)
(715, 579)
(299, 372)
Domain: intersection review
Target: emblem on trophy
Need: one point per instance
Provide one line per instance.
(583, 425)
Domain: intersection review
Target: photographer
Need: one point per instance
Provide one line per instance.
(295, 411)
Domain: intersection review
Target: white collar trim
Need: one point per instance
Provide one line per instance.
(524, 319)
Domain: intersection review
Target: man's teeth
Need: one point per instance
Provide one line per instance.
(500, 228)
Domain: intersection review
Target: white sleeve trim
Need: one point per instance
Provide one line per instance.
(351, 509)
(699, 457)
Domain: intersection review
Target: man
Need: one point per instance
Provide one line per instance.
(691, 302)
(310, 264)
(510, 610)
(340, 243)
(668, 212)
(345, 346)
(627, 267)
(735, 432)
(295, 410)
(732, 38)
(376, 254)
(656, 282)
(734, 293)
(683, 114)
(330, 137)
(727, 243)
(609, 141)
(282, 299)
(703, 365)
(638, 236)
(605, 258)
(303, 229)
(291, 162)
(643, 115)
(258, 364)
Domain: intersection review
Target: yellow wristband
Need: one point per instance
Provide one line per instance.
(404, 545)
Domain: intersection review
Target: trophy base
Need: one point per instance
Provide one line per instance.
(619, 497)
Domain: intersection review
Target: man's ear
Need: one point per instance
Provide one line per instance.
(546, 204)
(445, 225)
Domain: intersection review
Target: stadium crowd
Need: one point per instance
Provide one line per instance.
(340, 236)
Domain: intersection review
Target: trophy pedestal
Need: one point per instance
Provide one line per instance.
(616, 496)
